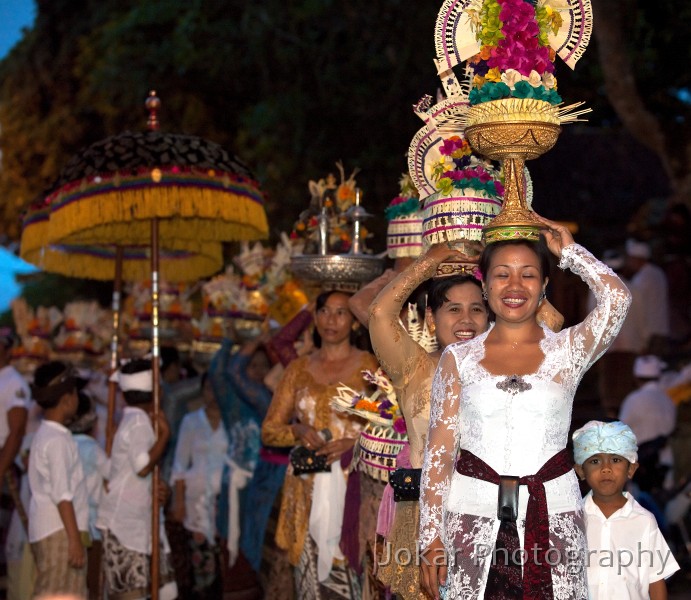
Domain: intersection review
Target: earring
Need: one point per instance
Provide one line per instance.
(432, 328)
(484, 294)
(543, 295)
(355, 326)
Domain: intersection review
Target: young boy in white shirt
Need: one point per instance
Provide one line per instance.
(58, 512)
(628, 558)
(124, 516)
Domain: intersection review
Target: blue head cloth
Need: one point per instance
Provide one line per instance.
(597, 437)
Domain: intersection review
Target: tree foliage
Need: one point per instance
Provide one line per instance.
(643, 55)
(291, 87)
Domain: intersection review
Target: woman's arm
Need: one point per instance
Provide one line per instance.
(594, 335)
(281, 346)
(361, 302)
(392, 344)
(276, 428)
(437, 470)
(597, 331)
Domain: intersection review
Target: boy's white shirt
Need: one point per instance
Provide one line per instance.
(55, 475)
(626, 552)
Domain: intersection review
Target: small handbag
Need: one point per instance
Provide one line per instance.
(305, 460)
(405, 484)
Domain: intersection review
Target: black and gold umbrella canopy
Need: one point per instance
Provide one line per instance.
(108, 193)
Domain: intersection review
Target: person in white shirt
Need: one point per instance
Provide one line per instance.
(650, 282)
(14, 403)
(58, 512)
(96, 467)
(628, 557)
(200, 456)
(124, 516)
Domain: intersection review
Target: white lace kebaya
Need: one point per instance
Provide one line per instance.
(514, 424)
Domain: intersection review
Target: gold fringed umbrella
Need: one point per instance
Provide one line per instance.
(153, 188)
(181, 260)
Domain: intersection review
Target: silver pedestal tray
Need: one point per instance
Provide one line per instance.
(346, 272)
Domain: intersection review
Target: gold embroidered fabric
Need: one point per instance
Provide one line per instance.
(398, 568)
(298, 396)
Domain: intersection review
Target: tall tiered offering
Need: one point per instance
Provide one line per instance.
(462, 191)
(515, 111)
(404, 214)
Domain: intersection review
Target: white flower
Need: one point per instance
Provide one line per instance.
(549, 80)
(534, 79)
(511, 77)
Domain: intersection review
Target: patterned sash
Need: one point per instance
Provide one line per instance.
(504, 581)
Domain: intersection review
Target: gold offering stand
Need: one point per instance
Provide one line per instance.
(513, 142)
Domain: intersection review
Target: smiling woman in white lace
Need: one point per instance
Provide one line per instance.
(500, 418)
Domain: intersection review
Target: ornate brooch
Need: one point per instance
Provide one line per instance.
(514, 384)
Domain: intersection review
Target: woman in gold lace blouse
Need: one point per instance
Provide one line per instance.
(299, 412)
(456, 312)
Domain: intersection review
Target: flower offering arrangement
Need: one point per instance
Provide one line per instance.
(385, 433)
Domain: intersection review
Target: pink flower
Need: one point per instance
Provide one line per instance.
(399, 425)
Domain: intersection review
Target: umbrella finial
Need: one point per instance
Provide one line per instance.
(153, 103)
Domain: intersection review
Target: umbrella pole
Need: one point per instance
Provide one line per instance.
(114, 347)
(156, 374)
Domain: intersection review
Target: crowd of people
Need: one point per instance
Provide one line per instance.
(261, 488)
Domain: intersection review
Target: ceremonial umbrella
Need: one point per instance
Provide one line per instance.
(144, 188)
(189, 261)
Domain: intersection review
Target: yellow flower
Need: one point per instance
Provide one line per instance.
(478, 81)
(493, 75)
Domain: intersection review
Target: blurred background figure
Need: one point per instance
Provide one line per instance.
(650, 282)
(200, 455)
(651, 414)
(96, 467)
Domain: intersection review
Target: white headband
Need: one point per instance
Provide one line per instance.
(139, 382)
(596, 437)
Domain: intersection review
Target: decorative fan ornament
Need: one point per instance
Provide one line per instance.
(515, 112)
(568, 25)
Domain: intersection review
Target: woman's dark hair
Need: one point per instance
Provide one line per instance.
(357, 338)
(539, 248)
(85, 418)
(135, 397)
(51, 382)
(439, 288)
